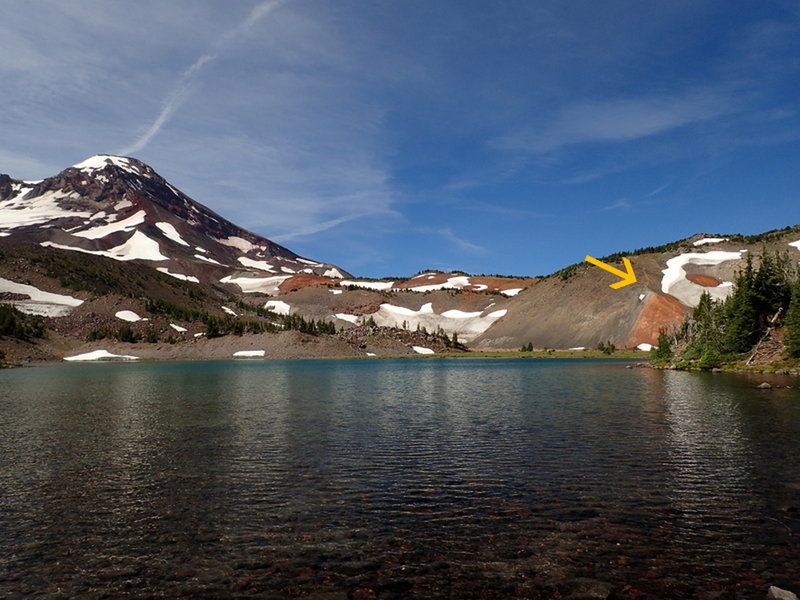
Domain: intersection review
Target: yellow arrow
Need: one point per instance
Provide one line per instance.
(628, 276)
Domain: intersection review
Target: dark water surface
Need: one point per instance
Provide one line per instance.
(394, 479)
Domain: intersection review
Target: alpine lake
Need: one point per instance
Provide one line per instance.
(425, 478)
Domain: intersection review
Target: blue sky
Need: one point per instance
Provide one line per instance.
(391, 136)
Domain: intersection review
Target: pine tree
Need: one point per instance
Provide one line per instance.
(663, 352)
(792, 322)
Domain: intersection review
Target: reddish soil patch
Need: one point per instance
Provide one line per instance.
(303, 280)
(661, 311)
(704, 280)
(364, 309)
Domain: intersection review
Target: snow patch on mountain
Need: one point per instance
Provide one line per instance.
(422, 350)
(101, 161)
(138, 247)
(239, 243)
(249, 353)
(349, 318)
(689, 293)
(168, 229)
(125, 225)
(45, 304)
(256, 264)
(709, 240)
(369, 285)
(511, 292)
(129, 316)
(16, 212)
(468, 326)
(180, 276)
(252, 285)
(100, 355)
(278, 306)
(795, 244)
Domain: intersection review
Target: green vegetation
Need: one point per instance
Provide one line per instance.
(16, 324)
(718, 333)
(607, 348)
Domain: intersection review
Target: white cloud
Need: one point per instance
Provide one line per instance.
(614, 121)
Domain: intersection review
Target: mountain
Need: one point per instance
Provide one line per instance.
(122, 209)
(108, 253)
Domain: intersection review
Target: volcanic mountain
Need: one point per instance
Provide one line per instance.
(122, 209)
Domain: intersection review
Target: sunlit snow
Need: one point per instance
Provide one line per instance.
(369, 285)
(168, 229)
(249, 353)
(180, 276)
(102, 231)
(422, 350)
(128, 315)
(689, 293)
(257, 264)
(138, 246)
(467, 326)
(100, 355)
(252, 285)
(178, 328)
(349, 318)
(711, 240)
(278, 306)
(511, 292)
(41, 303)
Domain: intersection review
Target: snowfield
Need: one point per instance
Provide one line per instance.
(349, 318)
(16, 212)
(466, 325)
(138, 247)
(249, 353)
(369, 285)
(168, 229)
(129, 316)
(252, 285)
(257, 264)
(41, 303)
(101, 231)
(645, 347)
(100, 355)
(422, 350)
(712, 240)
(795, 244)
(278, 306)
(100, 161)
(180, 276)
(178, 328)
(689, 293)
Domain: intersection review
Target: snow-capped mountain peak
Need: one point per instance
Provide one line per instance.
(120, 208)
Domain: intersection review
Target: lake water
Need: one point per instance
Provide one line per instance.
(434, 478)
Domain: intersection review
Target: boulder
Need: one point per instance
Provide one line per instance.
(764, 386)
(776, 593)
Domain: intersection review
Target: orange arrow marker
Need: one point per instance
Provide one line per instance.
(628, 276)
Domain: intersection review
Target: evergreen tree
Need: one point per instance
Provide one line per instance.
(741, 318)
(792, 322)
(663, 352)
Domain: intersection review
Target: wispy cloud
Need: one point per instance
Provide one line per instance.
(182, 88)
(446, 233)
(612, 121)
(618, 205)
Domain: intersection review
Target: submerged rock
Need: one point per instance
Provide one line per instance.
(582, 588)
(764, 386)
(776, 593)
